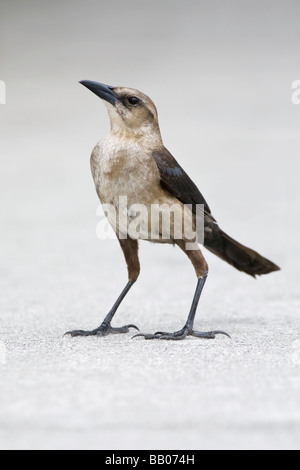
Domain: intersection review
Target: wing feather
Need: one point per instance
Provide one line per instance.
(176, 181)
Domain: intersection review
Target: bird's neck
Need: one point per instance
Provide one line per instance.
(147, 136)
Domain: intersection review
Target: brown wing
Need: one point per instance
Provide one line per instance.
(175, 180)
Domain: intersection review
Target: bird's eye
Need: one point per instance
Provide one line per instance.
(133, 100)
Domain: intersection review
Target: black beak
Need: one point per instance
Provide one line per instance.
(104, 92)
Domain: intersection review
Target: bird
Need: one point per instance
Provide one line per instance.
(132, 164)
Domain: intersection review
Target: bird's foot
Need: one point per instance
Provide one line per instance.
(182, 334)
(104, 330)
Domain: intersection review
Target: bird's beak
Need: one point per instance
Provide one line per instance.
(104, 92)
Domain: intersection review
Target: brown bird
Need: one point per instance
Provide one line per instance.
(132, 167)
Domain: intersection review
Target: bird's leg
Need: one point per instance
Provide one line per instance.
(130, 250)
(105, 328)
(199, 263)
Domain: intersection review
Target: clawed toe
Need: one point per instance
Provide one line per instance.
(123, 329)
(209, 334)
(77, 333)
(145, 336)
(180, 335)
(104, 330)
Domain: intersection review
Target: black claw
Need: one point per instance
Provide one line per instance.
(133, 326)
(209, 334)
(222, 333)
(78, 333)
(146, 336)
(136, 336)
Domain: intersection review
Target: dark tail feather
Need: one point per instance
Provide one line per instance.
(242, 258)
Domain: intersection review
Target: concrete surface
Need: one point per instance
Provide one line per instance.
(240, 141)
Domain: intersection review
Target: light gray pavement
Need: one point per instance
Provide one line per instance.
(240, 142)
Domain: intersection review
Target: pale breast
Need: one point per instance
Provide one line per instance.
(126, 176)
(123, 169)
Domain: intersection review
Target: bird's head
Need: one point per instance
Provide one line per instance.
(131, 112)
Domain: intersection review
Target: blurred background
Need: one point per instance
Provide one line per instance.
(221, 74)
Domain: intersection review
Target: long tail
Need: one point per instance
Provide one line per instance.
(242, 258)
